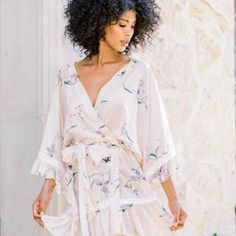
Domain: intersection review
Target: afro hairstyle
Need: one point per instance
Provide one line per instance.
(87, 19)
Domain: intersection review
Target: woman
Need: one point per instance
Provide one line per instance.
(107, 140)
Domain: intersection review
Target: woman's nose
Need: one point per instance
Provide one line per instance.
(128, 32)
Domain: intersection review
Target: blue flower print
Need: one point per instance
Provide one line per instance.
(105, 182)
(161, 174)
(70, 175)
(135, 177)
(104, 185)
(107, 159)
(165, 213)
(51, 150)
(125, 207)
(159, 151)
(141, 94)
(80, 111)
(121, 73)
(66, 76)
(131, 91)
(137, 174)
(125, 132)
(76, 114)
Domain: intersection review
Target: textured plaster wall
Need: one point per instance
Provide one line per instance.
(194, 63)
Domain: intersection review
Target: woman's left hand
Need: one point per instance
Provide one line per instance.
(179, 214)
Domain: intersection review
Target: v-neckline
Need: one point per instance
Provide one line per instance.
(104, 86)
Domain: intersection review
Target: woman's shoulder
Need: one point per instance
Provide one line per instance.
(144, 70)
(65, 68)
(141, 63)
(67, 73)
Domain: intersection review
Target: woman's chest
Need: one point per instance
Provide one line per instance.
(118, 98)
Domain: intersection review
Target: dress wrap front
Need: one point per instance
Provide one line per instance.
(105, 157)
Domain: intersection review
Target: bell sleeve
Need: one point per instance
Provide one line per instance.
(159, 154)
(48, 162)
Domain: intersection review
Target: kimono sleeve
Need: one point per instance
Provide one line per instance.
(48, 162)
(160, 160)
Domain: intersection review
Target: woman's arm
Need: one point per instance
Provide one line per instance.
(169, 189)
(177, 210)
(43, 200)
(48, 185)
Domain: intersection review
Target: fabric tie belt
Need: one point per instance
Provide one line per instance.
(78, 151)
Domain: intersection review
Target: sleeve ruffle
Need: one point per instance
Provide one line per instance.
(50, 169)
(160, 159)
(166, 170)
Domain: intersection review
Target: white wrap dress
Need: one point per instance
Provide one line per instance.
(106, 158)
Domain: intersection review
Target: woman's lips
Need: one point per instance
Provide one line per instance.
(125, 43)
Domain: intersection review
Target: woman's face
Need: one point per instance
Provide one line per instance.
(119, 34)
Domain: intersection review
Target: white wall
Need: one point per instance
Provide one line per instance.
(20, 126)
(30, 45)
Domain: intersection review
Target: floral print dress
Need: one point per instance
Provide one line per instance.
(106, 157)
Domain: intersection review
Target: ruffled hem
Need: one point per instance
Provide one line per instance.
(152, 219)
(149, 219)
(49, 169)
(61, 225)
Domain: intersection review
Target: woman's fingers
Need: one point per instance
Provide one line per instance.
(176, 219)
(37, 213)
(176, 226)
(39, 221)
(36, 209)
(183, 214)
(182, 217)
(179, 220)
(40, 205)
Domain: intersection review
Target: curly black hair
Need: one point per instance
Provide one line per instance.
(87, 19)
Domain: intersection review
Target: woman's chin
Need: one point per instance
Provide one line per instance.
(121, 50)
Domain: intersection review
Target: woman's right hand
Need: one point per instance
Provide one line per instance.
(42, 201)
